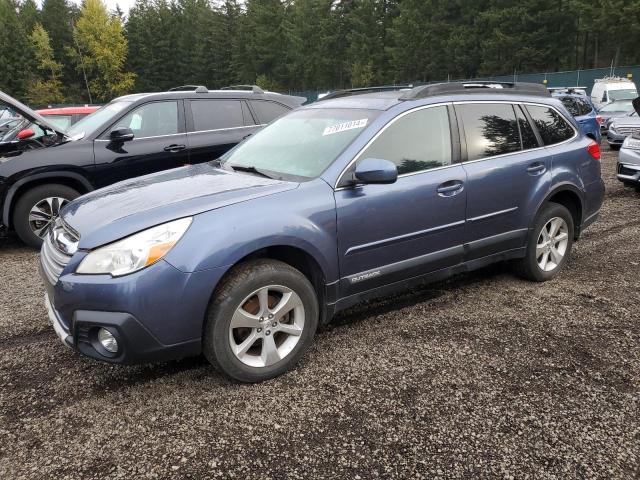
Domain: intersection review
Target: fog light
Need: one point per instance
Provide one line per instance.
(107, 340)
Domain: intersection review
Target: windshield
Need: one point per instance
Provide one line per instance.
(301, 144)
(95, 120)
(619, 106)
(628, 94)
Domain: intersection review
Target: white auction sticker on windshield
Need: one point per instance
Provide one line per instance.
(341, 127)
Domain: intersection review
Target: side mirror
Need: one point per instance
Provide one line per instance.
(375, 170)
(26, 133)
(122, 134)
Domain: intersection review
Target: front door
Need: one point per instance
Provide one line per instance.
(159, 143)
(388, 233)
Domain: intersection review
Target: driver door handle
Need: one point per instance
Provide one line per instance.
(174, 148)
(450, 188)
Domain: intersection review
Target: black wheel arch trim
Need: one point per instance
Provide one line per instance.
(53, 175)
(563, 187)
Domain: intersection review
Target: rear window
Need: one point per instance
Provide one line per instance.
(571, 105)
(489, 129)
(550, 124)
(268, 111)
(584, 107)
(216, 114)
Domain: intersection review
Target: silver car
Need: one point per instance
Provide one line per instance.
(621, 127)
(629, 162)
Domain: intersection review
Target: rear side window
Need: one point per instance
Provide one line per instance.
(489, 129)
(268, 111)
(550, 124)
(571, 105)
(584, 107)
(216, 114)
(419, 140)
(529, 139)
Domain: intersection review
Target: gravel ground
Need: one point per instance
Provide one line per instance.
(484, 375)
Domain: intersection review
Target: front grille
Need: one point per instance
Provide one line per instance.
(627, 130)
(52, 257)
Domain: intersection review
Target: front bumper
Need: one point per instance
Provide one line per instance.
(156, 314)
(629, 166)
(616, 139)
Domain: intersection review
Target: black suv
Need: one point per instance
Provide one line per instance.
(131, 136)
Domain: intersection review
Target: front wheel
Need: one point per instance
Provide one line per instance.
(36, 210)
(548, 244)
(261, 321)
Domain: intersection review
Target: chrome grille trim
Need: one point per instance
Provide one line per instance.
(52, 259)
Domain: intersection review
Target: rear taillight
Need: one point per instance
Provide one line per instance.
(600, 119)
(594, 150)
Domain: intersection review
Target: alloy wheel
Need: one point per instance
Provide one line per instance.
(552, 244)
(43, 213)
(267, 326)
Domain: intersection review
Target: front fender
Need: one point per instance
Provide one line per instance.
(303, 218)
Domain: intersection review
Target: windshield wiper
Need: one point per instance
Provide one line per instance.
(249, 169)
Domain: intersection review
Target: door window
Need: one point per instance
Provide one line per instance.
(216, 114)
(529, 139)
(418, 141)
(268, 111)
(490, 129)
(152, 120)
(550, 124)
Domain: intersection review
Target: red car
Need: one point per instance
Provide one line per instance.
(66, 116)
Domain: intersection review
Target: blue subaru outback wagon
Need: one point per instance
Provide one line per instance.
(340, 201)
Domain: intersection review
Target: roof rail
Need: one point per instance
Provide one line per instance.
(189, 88)
(486, 86)
(360, 91)
(252, 88)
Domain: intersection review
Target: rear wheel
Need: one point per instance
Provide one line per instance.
(36, 209)
(261, 321)
(548, 244)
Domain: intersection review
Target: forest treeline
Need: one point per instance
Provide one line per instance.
(62, 53)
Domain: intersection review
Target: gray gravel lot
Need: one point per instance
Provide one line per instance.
(485, 375)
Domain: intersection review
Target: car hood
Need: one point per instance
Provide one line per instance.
(27, 113)
(627, 120)
(124, 208)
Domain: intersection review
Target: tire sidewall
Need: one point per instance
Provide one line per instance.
(28, 200)
(219, 319)
(548, 212)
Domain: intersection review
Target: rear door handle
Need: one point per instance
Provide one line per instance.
(174, 148)
(450, 188)
(536, 169)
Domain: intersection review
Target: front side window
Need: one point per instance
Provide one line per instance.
(152, 120)
(216, 114)
(301, 144)
(417, 141)
(550, 124)
(268, 111)
(626, 94)
(490, 129)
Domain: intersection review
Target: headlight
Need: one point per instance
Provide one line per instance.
(612, 128)
(135, 252)
(632, 143)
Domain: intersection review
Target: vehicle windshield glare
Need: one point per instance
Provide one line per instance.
(628, 94)
(95, 120)
(301, 144)
(619, 106)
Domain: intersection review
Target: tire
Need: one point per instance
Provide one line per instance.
(31, 199)
(242, 288)
(530, 266)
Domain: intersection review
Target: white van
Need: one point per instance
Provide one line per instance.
(610, 89)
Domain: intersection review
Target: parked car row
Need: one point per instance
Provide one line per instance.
(356, 196)
(45, 165)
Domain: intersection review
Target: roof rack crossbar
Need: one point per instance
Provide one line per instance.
(359, 91)
(252, 88)
(189, 88)
(486, 87)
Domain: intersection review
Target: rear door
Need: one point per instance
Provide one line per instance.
(217, 125)
(507, 170)
(159, 143)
